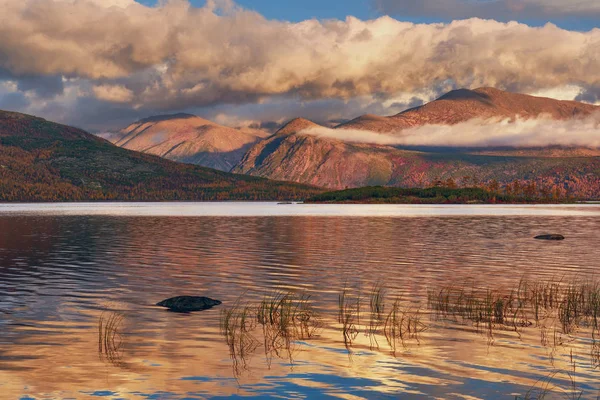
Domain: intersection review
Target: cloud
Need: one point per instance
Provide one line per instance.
(539, 132)
(590, 95)
(174, 57)
(42, 86)
(13, 101)
(113, 93)
(496, 9)
(102, 3)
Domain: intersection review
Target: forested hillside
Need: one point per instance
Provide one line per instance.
(44, 161)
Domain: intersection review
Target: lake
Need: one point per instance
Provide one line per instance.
(384, 301)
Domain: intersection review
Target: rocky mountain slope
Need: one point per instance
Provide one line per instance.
(44, 161)
(463, 105)
(189, 139)
(293, 155)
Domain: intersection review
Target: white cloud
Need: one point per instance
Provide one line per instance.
(566, 92)
(177, 57)
(102, 3)
(539, 132)
(113, 93)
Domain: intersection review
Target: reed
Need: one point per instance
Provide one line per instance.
(236, 326)
(574, 304)
(399, 324)
(283, 318)
(110, 338)
(377, 298)
(540, 390)
(567, 387)
(288, 315)
(376, 315)
(402, 323)
(349, 315)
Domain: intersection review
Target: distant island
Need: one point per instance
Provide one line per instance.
(432, 195)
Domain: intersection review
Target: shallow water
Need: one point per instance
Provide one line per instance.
(63, 268)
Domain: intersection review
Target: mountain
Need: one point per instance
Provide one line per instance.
(45, 161)
(462, 105)
(292, 155)
(189, 139)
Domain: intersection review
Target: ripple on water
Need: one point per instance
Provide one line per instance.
(60, 274)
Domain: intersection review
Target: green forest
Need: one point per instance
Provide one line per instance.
(446, 193)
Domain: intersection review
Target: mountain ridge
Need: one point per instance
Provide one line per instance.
(461, 105)
(332, 163)
(44, 161)
(189, 139)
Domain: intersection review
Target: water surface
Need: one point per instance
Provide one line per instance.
(66, 267)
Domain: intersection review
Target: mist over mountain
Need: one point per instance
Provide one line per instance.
(466, 135)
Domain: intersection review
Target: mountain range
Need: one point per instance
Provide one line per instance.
(292, 154)
(42, 160)
(45, 161)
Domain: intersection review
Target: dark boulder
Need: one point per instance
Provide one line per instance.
(550, 237)
(186, 304)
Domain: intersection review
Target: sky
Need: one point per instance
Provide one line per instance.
(102, 64)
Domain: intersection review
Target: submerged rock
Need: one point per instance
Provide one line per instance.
(550, 237)
(188, 303)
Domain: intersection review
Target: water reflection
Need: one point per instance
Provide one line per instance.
(77, 295)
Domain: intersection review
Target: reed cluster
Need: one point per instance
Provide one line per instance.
(402, 323)
(237, 324)
(110, 338)
(568, 305)
(283, 317)
(399, 324)
(485, 307)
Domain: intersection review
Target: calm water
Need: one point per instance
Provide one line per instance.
(63, 268)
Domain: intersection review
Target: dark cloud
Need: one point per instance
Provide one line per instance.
(269, 126)
(590, 95)
(13, 101)
(43, 86)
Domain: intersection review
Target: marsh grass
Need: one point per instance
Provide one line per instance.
(540, 390)
(555, 304)
(237, 324)
(398, 325)
(283, 318)
(557, 308)
(376, 315)
(377, 297)
(349, 315)
(402, 323)
(486, 308)
(288, 315)
(110, 338)
(558, 383)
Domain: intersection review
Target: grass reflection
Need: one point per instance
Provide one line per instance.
(110, 338)
(401, 323)
(283, 317)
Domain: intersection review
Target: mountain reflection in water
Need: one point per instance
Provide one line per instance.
(77, 316)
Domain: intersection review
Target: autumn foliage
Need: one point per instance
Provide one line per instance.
(45, 161)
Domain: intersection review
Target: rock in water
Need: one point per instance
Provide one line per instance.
(188, 303)
(550, 237)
